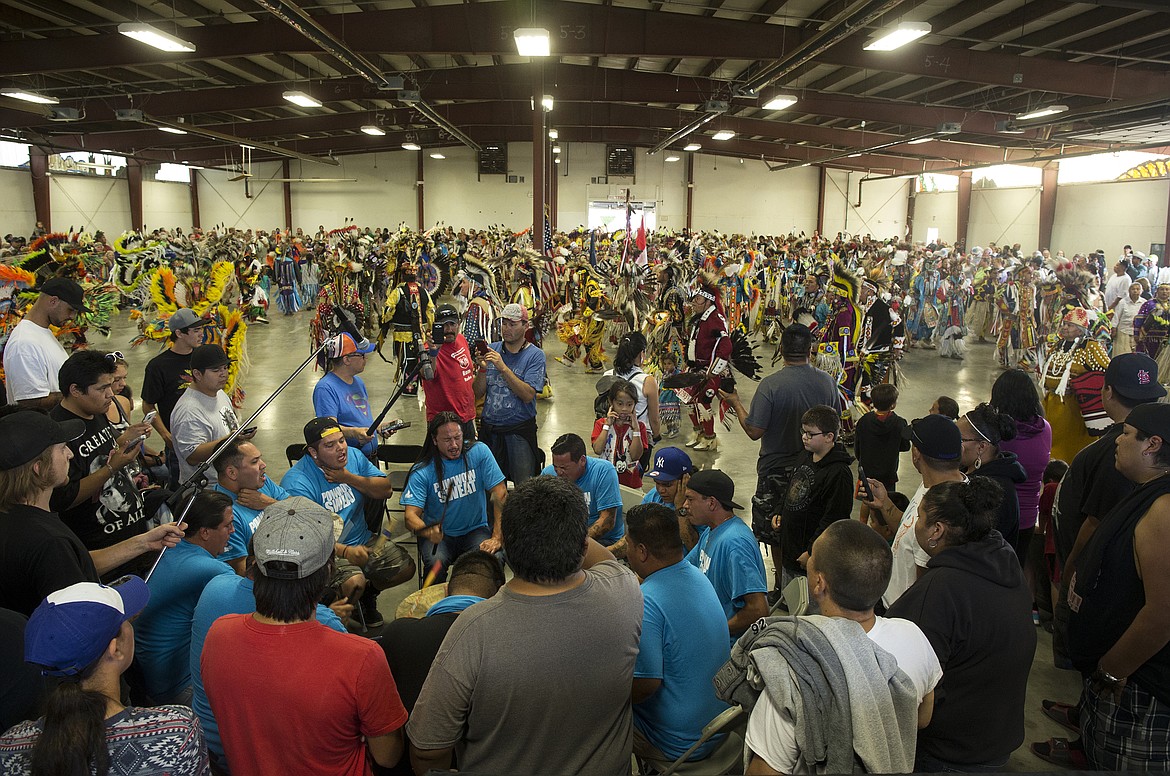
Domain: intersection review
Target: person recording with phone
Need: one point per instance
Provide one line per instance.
(620, 437)
(511, 374)
(450, 385)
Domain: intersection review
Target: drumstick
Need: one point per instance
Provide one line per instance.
(434, 572)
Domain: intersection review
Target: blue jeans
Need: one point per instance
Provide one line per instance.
(521, 461)
(450, 548)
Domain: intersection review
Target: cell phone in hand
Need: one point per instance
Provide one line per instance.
(863, 481)
(150, 416)
(397, 425)
(481, 348)
(249, 431)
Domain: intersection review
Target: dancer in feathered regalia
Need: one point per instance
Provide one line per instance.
(1152, 328)
(708, 353)
(288, 297)
(954, 292)
(922, 322)
(476, 289)
(408, 317)
(883, 337)
(585, 330)
(840, 339)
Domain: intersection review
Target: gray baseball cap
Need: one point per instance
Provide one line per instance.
(296, 531)
(185, 318)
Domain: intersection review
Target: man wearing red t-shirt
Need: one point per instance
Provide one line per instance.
(289, 694)
(451, 388)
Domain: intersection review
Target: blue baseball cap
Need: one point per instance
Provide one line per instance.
(669, 464)
(73, 626)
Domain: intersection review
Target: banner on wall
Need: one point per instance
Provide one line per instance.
(610, 215)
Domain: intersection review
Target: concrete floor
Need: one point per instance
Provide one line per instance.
(275, 350)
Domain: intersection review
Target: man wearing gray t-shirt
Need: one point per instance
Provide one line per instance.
(549, 659)
(782, 398)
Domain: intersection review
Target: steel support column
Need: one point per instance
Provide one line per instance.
(1047, 206)
(38, 167)
(964, 215)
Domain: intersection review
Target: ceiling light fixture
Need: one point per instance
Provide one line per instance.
(546, 102)
(27, 96)
(553, 134)
(898, 36)
(174, 130)
(672, 158)
(1039, 113)
(557, 160)
(409, 146)
(919, 141)
(692, 147)
(301, 99)
(853, 156)
(723, 134)
(780, 102)
(438, 155)
(556, 149)
(372, 129)
(531, 41)
(152, 36)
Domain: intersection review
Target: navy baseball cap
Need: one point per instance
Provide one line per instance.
(935, 436)
(670, 464)
(1134, 376)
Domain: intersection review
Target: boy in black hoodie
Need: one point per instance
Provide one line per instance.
(879, 443)
(820, 491)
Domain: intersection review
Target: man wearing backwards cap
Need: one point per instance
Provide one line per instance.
(1119, 632)
(32, 355)
(342, 393)
(83, 633)
(451, 389)
(39, 554)
(936, 446)
(728, 554)
(330, 689)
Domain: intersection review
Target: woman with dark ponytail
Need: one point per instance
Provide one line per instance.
(627, 364)
(82, 633)
(982, 430)
(975, 608)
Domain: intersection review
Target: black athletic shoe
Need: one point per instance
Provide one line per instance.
(369, 607)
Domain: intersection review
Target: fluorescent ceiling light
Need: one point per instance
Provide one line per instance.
(919, 141)
(193, 166)
(438, 155)
(692, 147)
(173, 130)
(556, 149)
(672, 158)
(780, 102)
(807, 164)
(531, 41)
(152, 36)
(27, 96)
(546, 102)
(1051, 110)
(412, 146)
(553, 134)
(898, 36)
(723, 134)
(557, 160)
(301, 99)
(371, 129)
(853, 156)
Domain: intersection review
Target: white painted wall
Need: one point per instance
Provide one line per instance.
(938, 209)
(728, 196)
(1109, 215)
(882, 212)
(165, 204)
(85, 203)
(17, 213)
(1003, 216)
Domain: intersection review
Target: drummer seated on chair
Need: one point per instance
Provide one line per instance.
(343, 483)
(444, 498)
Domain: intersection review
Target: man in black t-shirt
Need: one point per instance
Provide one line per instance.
(169, 373)
(100, 502)
(39, 554)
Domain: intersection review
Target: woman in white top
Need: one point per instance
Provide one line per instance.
(1123, 314)
(627, 364)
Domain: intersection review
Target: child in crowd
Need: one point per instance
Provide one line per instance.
(620, 437)
(820, 491)
(945, 405)
(669, 406)
(1046, 574)
(878, 441)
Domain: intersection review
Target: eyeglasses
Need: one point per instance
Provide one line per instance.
(116, 355)
(809, 435)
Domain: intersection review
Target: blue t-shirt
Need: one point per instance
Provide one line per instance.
(465, 481)
(306, 479)
(162, 633)
(245, 519)
(684, 643)
(226, 595)
(730, 557)
(599, 483)
(501, 407)
(653, 497)
(350, 404)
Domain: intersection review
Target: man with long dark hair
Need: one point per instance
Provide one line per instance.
(444, 496)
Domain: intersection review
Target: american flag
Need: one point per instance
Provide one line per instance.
(548, 241)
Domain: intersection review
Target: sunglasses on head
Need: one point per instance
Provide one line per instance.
(116, 355)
